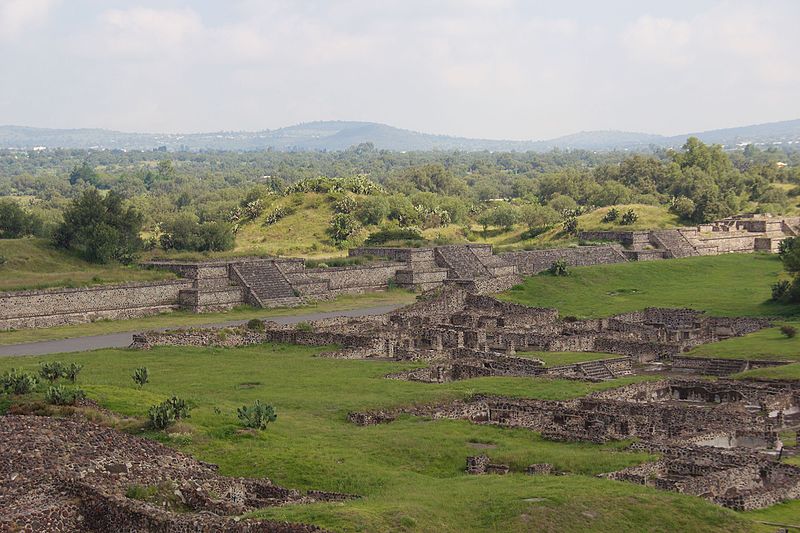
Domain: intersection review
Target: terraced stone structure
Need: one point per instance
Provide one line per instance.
(66, 475)
(716, 438)
(740, 234)
(464, 335)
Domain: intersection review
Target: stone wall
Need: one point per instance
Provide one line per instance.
(357, 278)
(535, 261)
(56, 307)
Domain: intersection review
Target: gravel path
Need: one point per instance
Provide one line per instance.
(123, 340)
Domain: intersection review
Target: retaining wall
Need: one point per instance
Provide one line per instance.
(535, 261)
(56, 307)
(357, 278)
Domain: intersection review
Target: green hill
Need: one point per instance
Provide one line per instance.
(34, 264)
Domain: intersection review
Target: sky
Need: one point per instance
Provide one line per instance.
(500, 69)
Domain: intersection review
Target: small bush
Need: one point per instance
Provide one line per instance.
(385, 235)
(60, 395)
(15, 382)
(257, 416)
(780, 288)
(304, 326)
(570, 225)
(160, 416)
(611, 215)
(788, 331)
(2, 259)
(629, 217)
(277, 214)
(167, 412)
(71, 372)
(141, 376)
(255, 324)
(53, 370)
(559, 268)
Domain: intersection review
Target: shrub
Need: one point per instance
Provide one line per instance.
(160, 416)
(257, 416)
(559, 268)
(277, 214)
(570, 225)
(141, 376)
(164, 414)
(52, 371)
(71, 372)
(342, 227)
(304, 326)
(255, 324)
(15, 382)
(345, 205)
(60, 395)
(385, 235)
(372, 210)
(611, 215)
(2, 259)
(780, 288)
(683, 207)
(629, 217)
(788, 331)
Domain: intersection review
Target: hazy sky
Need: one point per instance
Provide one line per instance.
(480, 68)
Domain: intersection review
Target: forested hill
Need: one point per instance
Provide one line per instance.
(340, 135)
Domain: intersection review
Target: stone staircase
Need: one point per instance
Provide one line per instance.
(461, 262)
(674, 242)
(267, 285)
(596, 370)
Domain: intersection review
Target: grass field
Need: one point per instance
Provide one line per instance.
(724, 285)
(410, 472)
(186, 318)
(767, 344)
(34, 264)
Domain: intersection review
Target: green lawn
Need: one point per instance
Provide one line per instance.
(185, 318)
(567, 358)
(410, 472)
(34, 264)
(725, 285)
(767, 344)
(791, 371)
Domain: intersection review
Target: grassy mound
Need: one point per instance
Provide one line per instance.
(724, 285)
(34, 264)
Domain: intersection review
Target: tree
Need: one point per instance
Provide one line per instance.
(372, 210)
(505, 216)
(15, 222)
(100, 228)
(538, 216)
(562, 202)
(84, 173)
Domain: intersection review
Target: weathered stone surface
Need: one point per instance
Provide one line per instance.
(72, 475)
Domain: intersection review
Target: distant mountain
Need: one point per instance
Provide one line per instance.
(340, 135)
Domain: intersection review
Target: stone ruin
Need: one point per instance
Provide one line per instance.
(464, 335)
(715, 438)
(217, 285)
(68, 474)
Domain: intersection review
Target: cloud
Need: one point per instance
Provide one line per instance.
(661, 40)
(145, 32)
(485, 68)
(16, 16)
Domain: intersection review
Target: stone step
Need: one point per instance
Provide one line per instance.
(267, 282)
